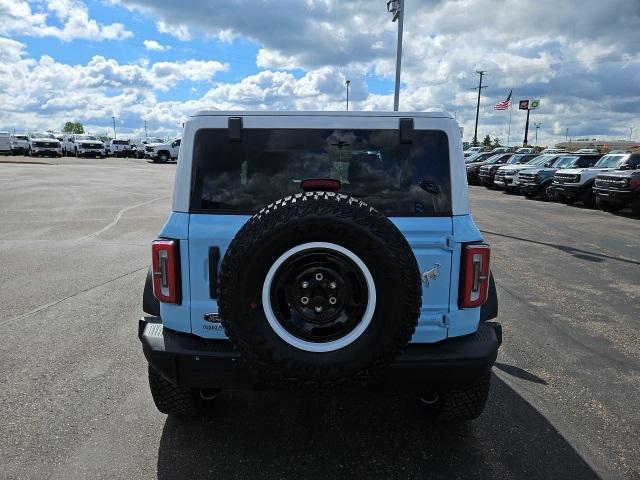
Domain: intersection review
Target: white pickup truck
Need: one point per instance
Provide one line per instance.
(163, 152)
(41, 144)
(19, 144)
(121, 148)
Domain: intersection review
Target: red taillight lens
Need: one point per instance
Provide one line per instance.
(166, 270)
(474, 278)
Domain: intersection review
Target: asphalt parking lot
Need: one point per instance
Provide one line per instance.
(74, 402)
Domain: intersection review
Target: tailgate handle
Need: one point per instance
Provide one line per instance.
(214, 259)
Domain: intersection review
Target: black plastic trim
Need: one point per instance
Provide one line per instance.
(235, 129)
(489, 309)
(214, 260)
(191, 361)
(150, 304)
(406, 130)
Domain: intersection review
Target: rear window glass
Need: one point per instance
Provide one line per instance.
(372, 165)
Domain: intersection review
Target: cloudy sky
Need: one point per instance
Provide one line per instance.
(160, 60)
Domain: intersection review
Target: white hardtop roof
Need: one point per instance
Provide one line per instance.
(341, 113)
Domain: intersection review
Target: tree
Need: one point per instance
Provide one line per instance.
(496, 142)
(487, 141)
(73, 127)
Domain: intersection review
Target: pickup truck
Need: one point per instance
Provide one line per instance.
(122, 148)
(44, 144)
(320, 250)
(19, 144)
(163, 152)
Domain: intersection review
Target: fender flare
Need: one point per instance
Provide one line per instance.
(489, 309)
(150, 304)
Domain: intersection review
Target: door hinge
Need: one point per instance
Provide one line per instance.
(449, 243)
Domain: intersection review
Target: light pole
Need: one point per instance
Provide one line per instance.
(566, 135)
(114, 127)
(630, 133)
(145, 129)
(480, 87)
(537, 125)
(347, 83)
(396, 7)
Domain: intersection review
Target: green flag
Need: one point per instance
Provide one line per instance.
(535, 104)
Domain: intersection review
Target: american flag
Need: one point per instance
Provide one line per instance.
(504, 105)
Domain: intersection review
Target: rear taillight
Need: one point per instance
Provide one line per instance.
(474, 278)
(166, 270)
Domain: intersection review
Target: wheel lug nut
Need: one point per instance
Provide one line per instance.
(319, 276)
(304, 300)
(333, 300)
(333, 285)
(318, 309)
(305, 284)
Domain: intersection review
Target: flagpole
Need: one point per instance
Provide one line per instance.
(510, 111)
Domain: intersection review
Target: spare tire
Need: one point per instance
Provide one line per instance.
(319, 288)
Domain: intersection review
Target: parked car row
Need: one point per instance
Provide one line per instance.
(611, 182)
(37, 144)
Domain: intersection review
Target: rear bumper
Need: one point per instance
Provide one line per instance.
(190, 361)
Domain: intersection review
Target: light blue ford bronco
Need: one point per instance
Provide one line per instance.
(320, 250)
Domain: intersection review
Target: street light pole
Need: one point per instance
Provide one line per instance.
(480, 87)
(397, 8)
(348, 82)
(114, 127)
(566, 135)
(537, 125)
(630, 133)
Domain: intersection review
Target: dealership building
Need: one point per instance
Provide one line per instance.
(607, 145)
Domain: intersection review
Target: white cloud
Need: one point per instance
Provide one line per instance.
(155, 46)
(17, 17)
(181, 32)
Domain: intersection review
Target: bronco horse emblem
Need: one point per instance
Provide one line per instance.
(430, 274)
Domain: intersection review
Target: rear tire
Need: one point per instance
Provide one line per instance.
(459, 405)
(172, 399)
(163, 158)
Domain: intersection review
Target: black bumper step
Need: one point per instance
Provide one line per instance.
(190, 361)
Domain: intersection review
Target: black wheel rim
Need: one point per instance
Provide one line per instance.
(319, 295)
